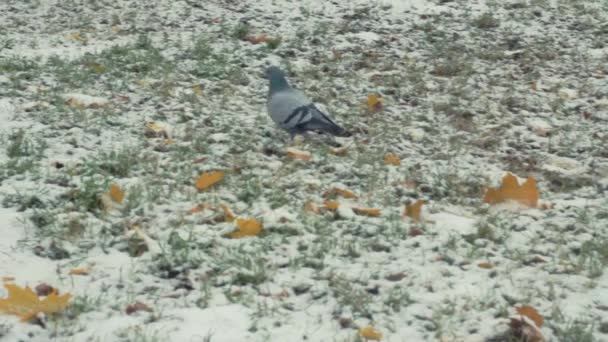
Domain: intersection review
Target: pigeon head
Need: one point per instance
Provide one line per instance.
(277, 79)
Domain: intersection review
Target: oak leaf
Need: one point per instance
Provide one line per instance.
(526, 193)
(23, 302)
(207, 179)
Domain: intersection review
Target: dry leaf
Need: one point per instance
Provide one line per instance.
(367, 211)
(197, 90)
(246, 227)
(207, 179)
(332, 205)
(369, 333)
(78, 37)
(524, 329)
(532, 314)
(413, 210)
(79, 271)
(258, 38)
(229, 216)
(338, 151)
(374, 103)
(526, 193)
(23, 302)
(137, 306)
(116, 193)
(485, 265)
(310, 207)
(339, 192)
(294, 153)
(391, 159)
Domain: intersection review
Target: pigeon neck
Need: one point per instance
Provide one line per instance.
(278, 83)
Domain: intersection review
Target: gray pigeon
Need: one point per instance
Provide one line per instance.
(293, 111)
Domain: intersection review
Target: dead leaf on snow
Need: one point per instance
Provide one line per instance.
(23, 302)
(413, 210)
(207, 179)
(294, 153)
(526, 193)
(246, 228)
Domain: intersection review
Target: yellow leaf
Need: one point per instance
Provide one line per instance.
(246, 227)
(197, 90)
(531, 313)
(207, 179)
(78, 37)
(98, 68)
(229, 216)
(332, 205)
(413, 210)
(79, 271)
(366, 211)
(369, 333)
(294, 153)
(116, 193)
(374, 103)
(23, 302)
(155, 127)
(391, 159)
(526, 194)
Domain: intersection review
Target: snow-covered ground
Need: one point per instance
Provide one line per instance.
(470, 90)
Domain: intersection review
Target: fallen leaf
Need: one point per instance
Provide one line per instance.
(369, 333)
(197, 90)
(339, 192)
(78, 37)
(526, 193)
(415, 231)
(229, 216)
(524, 329)
(338, 151)
(294, 153)
(156, 130)
(79, 271)
(532, 314)
(413, 210)
(137, 306)
(23, 302)
(116, 193)
(485, 265)
(391, 159)
(374, 103)
(96, 67)
(207, 179)
(258, 38)
(332, 205)
(44, 289)
(246, 227)
(310, 207)
(367, 211)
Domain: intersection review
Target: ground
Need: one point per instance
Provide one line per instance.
(149, 95)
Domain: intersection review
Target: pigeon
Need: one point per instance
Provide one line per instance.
(293, 111)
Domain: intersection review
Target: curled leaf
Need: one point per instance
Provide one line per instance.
(207, 179)
(532, 314)
(367, 211)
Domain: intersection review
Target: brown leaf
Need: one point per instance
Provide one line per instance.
(367, 211)
(485, 265)
(207, 179)
(137, 306)
(338, 151)
(525, 330)
(339, 192)
(256, 39)
(332, 205)
(79, 271)
(391, 159)
(229, 215)
(294, 153)
(413, 210)
(310, 207)
(532, 314)
(526, 193)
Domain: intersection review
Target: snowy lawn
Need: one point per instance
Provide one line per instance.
(148, 95)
